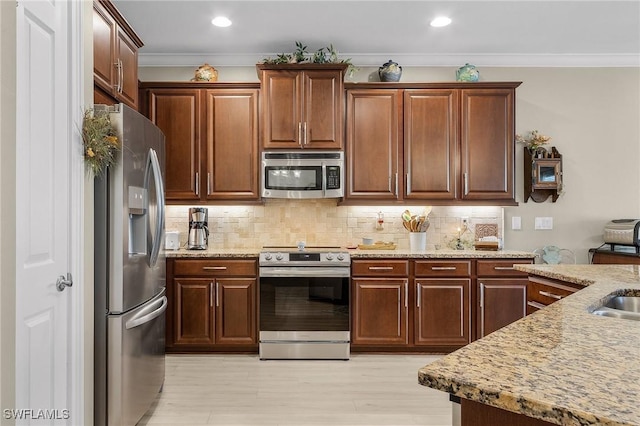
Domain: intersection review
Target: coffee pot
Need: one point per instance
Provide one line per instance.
(198, 228)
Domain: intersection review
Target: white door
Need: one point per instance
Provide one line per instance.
(46, 385)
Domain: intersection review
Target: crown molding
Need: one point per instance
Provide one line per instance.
(407, 59)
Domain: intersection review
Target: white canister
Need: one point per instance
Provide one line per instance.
(172, 240)
(418, 241)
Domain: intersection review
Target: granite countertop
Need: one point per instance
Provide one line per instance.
(357, 253)
(561, 364)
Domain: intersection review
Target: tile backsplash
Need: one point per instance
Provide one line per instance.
(323, 223)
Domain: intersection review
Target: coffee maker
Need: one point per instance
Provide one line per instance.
(198, 228)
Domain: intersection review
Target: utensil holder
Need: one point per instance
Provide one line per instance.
(418, 241)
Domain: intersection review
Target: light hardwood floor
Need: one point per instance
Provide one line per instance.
(242, 390)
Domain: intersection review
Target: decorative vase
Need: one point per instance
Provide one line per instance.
(390, 71)
(467, 73)
(206, 73)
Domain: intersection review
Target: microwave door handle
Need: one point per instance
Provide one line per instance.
(324, 179)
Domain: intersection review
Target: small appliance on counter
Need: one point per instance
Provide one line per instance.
(622, 232)
(198, 228)
(172, 240)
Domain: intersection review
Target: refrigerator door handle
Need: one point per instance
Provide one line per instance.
(144, 316)
(153, 166)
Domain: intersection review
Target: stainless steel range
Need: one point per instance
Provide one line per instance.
(304, 303)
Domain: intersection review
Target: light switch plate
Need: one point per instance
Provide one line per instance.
(543, 223)
(516, 223)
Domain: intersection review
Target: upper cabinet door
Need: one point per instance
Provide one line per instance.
(487, 144)
(373, 144)
(431, 144)
(302, 105)
(232, 144)
(177, 113)
(104, 28)
(127, 53)
(323, 109)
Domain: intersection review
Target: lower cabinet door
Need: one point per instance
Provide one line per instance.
(193, 311)
(379, 311)
(442, 311)
(501, 302)
(235, 300)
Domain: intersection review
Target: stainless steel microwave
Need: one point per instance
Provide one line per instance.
(302, 174)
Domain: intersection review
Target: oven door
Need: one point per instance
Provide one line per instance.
(304, 299)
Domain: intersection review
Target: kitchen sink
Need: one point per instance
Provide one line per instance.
(626, 307)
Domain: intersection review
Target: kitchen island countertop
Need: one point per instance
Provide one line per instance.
(561, 364)
(213, 252)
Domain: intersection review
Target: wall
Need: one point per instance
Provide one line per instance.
(7, 203)
(323, 223)
(592, 116)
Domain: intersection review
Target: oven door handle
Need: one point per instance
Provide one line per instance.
(304, 272)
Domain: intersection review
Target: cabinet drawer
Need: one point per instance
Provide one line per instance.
(546, 292)
(378, 268)
(443, 268)
(501, 268)
(213, 267)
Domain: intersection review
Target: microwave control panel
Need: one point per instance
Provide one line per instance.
(333, 177)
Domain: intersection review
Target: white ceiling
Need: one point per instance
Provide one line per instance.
(488, 33)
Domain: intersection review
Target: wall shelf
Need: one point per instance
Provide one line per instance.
(542, 174)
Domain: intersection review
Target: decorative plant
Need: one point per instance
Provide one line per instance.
(99, 141)
(533, 140)
(324, 55)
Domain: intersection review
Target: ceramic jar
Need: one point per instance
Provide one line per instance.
(390, 71)
(467, 73)
(206, 73)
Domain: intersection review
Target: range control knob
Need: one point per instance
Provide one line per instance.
(279, 256)
(329, 256)
(340, 256)
(268, 256)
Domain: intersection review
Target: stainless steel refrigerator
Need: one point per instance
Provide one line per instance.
(130, 277)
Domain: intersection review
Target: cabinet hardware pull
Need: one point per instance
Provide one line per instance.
(211, 294)
(121, 76)
(197, 183)
(443, 268)
(217, 290)
(208, 183)
(214, 268)
(551, 295)
(117, 67)
(304, 126)
(466, 183)
(536, 305)
(397, 185)
(503, 268)
(481, 295)
(300, 133)
(381, 268)
(418, 292)
(406, 294)
(408, 184)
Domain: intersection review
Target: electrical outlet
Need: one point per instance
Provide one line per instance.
(543, 223)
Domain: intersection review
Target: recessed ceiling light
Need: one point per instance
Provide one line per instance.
(441, 21)
(221, 21)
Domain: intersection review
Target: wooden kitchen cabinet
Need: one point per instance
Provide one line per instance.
(211, 132)
(373, 144)
(212, 305)
(542, 292)
(442, 315)
(488, 144)
(444, 143)
(302, 105)
(501, 294)
(115, 56)
(380, 303)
